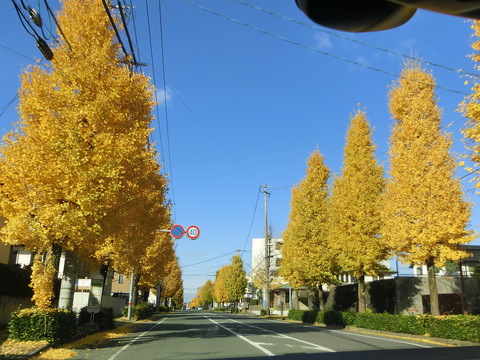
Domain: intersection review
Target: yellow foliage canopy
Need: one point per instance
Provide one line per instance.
(471, 110)
(219, 289)
(77, 172)
(425, 214)
(307, 259)
(355, 210)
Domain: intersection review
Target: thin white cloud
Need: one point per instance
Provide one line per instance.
(163, 97)
(322, 41)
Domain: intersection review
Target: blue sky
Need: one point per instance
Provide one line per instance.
(250, 95)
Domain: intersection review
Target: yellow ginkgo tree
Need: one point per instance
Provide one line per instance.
(425, 213)
(471, 110)
(77, 172)
(307, 257)
(354, 222)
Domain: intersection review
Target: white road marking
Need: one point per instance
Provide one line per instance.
(315, 346)
(381, 338)
(131, 342)
(255, 344)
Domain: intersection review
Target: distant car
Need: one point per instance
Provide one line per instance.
(200, 308)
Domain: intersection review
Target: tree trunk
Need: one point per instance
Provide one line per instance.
(321, 302)
(432, 286)
(361, 294)
(296, 303)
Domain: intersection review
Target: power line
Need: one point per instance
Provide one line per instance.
(57, 24)
(6, 106)
(251, 223)
(129, 39)
(308, 47)
(112, 22)
(197, 118)
(153, 75)
(16, 52)
(343, 37)
(169, 153)
(215, 258)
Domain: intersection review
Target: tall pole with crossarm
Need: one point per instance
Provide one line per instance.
(266, 289)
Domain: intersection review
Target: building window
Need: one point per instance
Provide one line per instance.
(120, 279)
(419, 271)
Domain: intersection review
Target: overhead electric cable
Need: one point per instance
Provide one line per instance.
(122, 16)
(213, 136)
(16, 52)
(196, 117)
(162, 154)
(21, 16)
(135, 29)
(164, 77)
(6, 106)
(308, 47)
(57, 24)
(251, 223)
(112, 22)
(343, 37)
(215, 258)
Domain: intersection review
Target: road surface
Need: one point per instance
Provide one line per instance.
(208, 335)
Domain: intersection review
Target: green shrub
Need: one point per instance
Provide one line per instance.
(263, 312)
(408, 324)
(140, 311)
(104, 318)
(295, 315)
(459, 327)
(53, 325)
(340, 318)
(219, 309)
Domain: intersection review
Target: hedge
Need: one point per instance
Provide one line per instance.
(53, 325)
(140, 311)
(459, 327)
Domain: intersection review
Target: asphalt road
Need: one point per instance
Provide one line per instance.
(208, 335)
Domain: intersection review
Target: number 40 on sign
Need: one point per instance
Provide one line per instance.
(193, 232)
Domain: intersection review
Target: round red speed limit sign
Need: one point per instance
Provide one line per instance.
(193, 232)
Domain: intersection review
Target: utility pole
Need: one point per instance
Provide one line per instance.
(266, 290)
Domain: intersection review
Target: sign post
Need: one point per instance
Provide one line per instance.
(95, 296)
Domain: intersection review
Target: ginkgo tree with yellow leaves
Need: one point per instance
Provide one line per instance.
(172, 283)
(354, 219)
(77, 172)
(220, 293)
(206, 294)
(307, 257)
(425, 213)
(471, 110)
